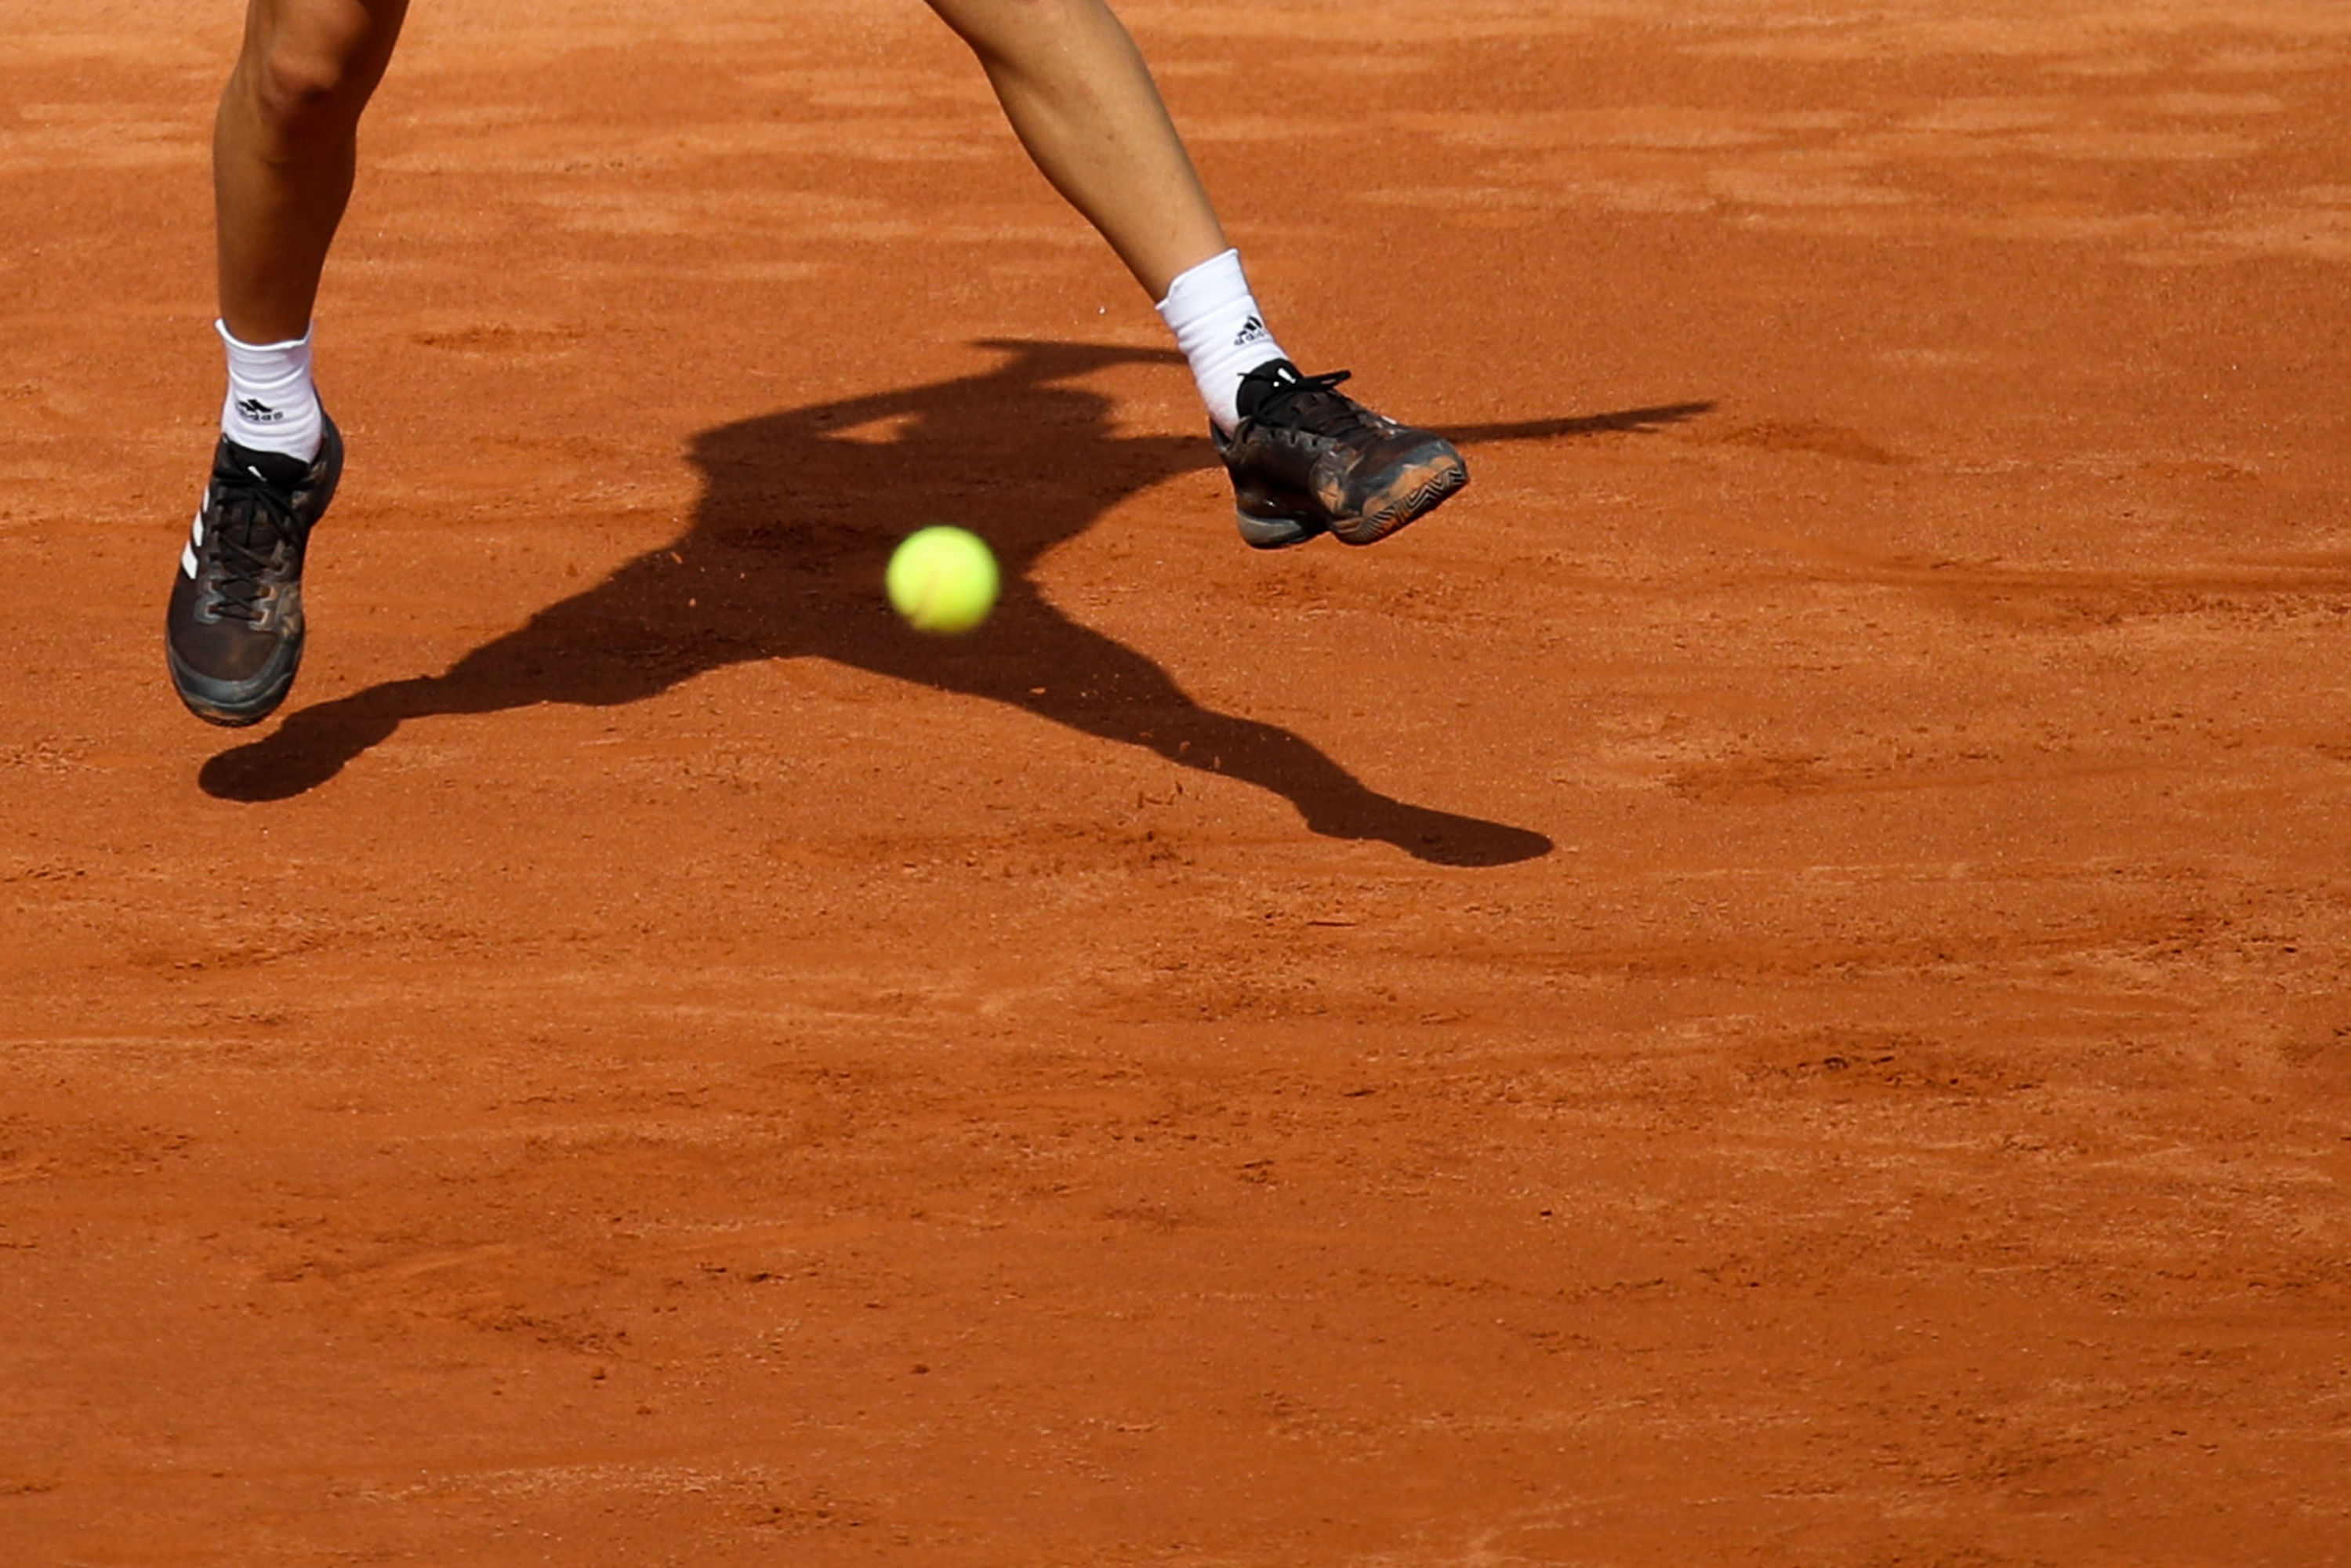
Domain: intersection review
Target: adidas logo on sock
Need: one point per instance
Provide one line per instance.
(1251, 331)
(260, 412)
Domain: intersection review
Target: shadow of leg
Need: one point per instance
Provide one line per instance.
(1034, 658)
(608, 647)
(621, 641)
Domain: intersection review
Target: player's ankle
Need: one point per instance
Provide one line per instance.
(1222, 331)
(272, 403)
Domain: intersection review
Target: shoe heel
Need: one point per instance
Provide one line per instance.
(1273, 533)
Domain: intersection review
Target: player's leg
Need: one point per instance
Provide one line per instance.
(285, 143)
(1084, 104)
(1305, 459)
(284, 148)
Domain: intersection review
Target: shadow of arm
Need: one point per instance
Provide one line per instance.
(1636, 420)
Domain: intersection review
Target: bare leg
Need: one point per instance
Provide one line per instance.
(284, 146)
(1084, 104)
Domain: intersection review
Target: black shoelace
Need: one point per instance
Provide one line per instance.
(1313, 403)
(251, 518)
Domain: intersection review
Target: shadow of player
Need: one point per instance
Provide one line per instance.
(799, 512)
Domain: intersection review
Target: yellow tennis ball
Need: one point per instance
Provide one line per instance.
(942, 580)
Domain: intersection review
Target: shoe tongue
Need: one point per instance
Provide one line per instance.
(1262, 383)
(271, 467)
(244, 517)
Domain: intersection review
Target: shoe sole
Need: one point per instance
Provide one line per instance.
(1412, 495)
(1408, 496)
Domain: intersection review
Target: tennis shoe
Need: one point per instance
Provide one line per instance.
(233, 633)
(1306, 459)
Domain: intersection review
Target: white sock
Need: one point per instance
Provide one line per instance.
(271, 405)
(1217, 325)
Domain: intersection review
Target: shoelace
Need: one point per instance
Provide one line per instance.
(1312, 403)
(252, 518)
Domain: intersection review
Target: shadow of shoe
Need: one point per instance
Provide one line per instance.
(314, 744)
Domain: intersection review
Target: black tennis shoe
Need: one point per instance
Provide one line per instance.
(233, 634)
(1307, 459)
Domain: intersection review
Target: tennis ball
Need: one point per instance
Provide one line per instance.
(942, 580)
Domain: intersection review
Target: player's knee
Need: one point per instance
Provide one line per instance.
(311, 78)
(294, 87)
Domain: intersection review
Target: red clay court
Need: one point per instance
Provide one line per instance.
(1767, 987)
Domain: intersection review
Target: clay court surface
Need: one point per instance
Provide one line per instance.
(1769, 986)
